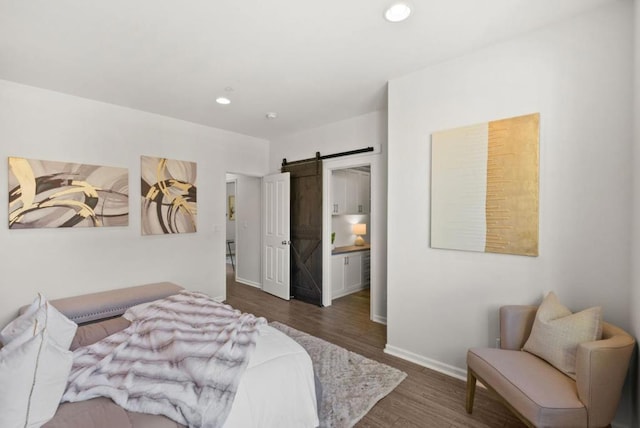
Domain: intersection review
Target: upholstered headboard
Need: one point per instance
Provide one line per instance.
(106, 304)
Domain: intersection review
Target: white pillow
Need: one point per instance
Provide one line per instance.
(39, 313)
(34, 371)
(556, 333)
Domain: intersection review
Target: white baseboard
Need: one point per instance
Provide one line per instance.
(379, 319)
(219, 299)
(426, 362)
(346, 292)
(247, 282)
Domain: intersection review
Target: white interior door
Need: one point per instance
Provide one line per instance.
(276, 245)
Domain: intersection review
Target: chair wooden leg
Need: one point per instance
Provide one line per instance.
(471, 389)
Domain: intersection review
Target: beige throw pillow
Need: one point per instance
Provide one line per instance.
(557, 332)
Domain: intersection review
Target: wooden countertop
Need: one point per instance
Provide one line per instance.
(351, 249)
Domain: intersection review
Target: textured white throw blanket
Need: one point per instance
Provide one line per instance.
(181, 357)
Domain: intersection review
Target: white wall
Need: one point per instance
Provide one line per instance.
(369, 130)
(578, 75)
(41, 124)
(635, 253)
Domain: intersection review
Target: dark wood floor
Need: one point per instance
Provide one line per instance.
(425, 398)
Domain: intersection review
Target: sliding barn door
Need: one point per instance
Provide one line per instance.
(306, 231)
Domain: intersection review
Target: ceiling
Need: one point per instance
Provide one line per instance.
(312, 62)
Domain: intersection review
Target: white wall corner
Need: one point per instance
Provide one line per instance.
(379, 319)
(249, 282)
(429, 363)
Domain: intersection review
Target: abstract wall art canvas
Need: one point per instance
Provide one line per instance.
(169, 196)
(484, 187)
(231, 208)
(44, 194)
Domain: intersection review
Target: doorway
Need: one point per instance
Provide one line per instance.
(350, 203)
(243, 229)
(248, 234)
(373, 218)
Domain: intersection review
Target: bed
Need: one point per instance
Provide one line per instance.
(277, 388)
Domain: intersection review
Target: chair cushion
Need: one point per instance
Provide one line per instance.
(537, 390)
(556, 333)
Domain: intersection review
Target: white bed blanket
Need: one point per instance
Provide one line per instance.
(182, 357)
(277, 389)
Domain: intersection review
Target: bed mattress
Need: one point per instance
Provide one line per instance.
(279, 376)
(276, 390)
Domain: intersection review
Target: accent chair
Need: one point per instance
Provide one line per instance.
(540, 394)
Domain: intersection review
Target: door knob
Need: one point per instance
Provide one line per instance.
(286, 242)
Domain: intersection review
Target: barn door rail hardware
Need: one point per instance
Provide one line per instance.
(334, 155)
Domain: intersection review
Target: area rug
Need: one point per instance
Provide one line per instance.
(351, 384)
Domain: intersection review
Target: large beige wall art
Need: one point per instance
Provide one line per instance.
(61, 194)
(484, 187)
(169, 196)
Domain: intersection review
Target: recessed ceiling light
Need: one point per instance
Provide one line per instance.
(397, 12)
(271, 115)
(223, 100)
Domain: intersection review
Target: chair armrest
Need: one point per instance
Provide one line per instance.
(515, 325)
(601, 369)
